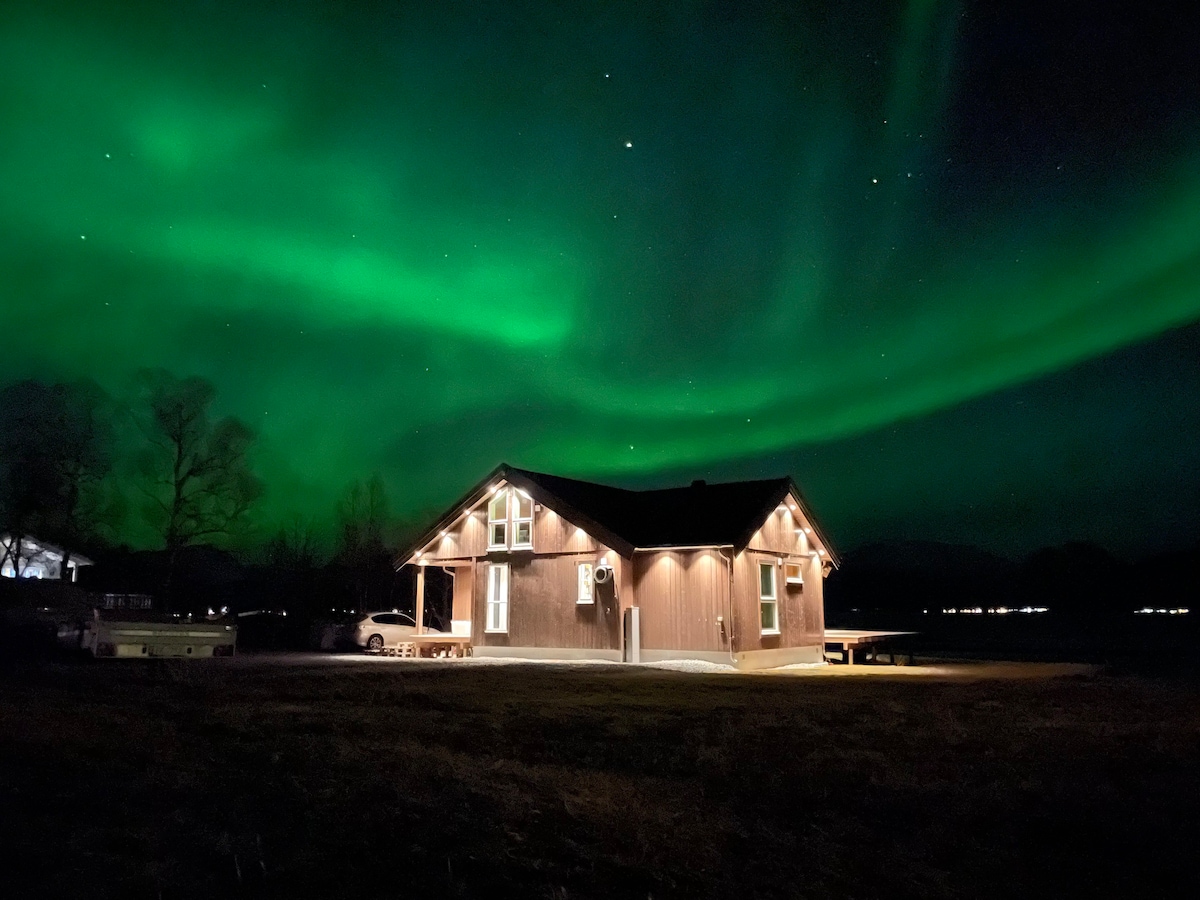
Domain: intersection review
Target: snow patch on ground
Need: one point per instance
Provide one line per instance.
(816, 665)
(690, 665)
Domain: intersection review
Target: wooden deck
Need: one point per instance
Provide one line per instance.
(846, 641)
(430, 645)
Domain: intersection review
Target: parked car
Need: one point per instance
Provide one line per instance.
(385, 629)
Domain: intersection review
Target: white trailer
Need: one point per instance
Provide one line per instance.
(141, 637)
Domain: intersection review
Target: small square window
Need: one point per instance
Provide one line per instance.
(587, 584)
(522, 534)
(498, 535)
(793, 573)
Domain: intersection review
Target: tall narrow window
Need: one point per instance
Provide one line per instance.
(522, 520)
(498, 521)
(497, 598)
(587, 584)
(767, 599)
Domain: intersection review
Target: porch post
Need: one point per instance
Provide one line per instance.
(420, 617)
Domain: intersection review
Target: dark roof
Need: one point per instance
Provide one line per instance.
(698, 515)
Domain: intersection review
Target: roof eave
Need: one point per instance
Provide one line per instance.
(781, 491)
(833, 557)
(548, 498)
(469, 499)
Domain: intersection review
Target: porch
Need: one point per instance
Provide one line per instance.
(844, 641)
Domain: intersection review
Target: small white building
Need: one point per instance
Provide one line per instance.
(30, 558)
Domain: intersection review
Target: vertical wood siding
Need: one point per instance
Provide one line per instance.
(681, 594)
(801, 607)
(543, 584)
(554, 534)
(464, 539)
(464, 592)
(542, 607)
(782, 532)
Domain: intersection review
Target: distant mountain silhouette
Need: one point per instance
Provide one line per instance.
(930, 557)
(1077, 579)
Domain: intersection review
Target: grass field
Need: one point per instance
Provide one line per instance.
(206, 779)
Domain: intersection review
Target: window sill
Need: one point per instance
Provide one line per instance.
(495, 631)
(522, 546)
(585, 602)
(495, 548)
(769, 631)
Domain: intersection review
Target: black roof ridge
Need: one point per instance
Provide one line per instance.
(644, 491)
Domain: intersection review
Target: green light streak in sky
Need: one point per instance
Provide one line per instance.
(405, 245)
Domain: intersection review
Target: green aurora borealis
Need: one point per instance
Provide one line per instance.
(923, 256)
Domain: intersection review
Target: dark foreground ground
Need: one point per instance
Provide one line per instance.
(168, 780)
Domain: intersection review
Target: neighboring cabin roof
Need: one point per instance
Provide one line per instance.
(698, 515)
(31, 547)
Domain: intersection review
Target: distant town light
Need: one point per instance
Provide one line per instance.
(1171, 611)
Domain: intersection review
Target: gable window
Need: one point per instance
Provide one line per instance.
(767, 599)
(497, 598)
(587, 584)
(498, 521)
(793, 573)
(510, 520)
(522, 520)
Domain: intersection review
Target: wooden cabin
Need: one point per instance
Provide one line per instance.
(554, 568)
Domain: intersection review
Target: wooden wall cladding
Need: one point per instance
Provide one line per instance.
(801, 607)
(781, 532)
(681, 595)
(542, 605)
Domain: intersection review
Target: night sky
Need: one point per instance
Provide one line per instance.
(938, 261)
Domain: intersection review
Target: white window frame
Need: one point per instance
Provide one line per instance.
(514, 505)
(496, 611)
(771, 598)
(797, 568)
(586, 579)
(501, 495)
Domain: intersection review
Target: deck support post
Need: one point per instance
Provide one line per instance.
(420, 608)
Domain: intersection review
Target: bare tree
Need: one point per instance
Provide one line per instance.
(55, 450)
(197, 472)
(362, 518)
(294, 547)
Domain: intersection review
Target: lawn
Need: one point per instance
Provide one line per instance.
(201, 779)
